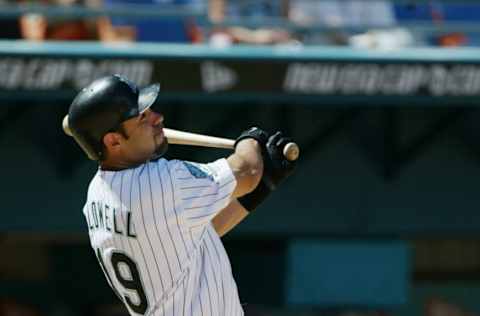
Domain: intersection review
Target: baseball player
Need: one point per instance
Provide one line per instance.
(155, 224)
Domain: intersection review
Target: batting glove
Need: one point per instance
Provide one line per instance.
(256, 133)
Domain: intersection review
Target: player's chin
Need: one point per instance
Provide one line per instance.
(161, 148)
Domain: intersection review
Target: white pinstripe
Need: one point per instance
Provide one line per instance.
(167, 210)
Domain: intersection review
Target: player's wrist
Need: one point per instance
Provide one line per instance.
(253, 199)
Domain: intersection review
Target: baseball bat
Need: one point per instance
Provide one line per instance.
(291, 151)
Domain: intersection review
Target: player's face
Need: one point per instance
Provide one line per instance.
(145, 138)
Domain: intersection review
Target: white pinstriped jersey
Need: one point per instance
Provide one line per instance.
(150, 228)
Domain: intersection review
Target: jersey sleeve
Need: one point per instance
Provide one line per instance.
(203, 190)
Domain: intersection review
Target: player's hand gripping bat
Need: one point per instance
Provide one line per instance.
(291, 150)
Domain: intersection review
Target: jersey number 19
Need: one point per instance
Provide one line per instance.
(132, 282)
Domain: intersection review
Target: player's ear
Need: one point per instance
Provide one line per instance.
(111, 140)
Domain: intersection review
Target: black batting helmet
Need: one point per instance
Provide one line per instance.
(102, 106)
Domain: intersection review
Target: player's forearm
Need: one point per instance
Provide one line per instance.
(229, 217)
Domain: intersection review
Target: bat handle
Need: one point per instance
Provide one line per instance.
(291, 151)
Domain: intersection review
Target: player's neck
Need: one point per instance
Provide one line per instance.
(109, 165)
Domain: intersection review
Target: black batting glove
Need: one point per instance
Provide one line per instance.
(256, 133)
(276, 167)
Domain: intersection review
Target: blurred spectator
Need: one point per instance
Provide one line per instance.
(37, 27)
(440, 15)
(382, 39)
(451, 39)
(358, 23)
(9, 27)
(342, 13)
(171, 29)
(220, 10)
